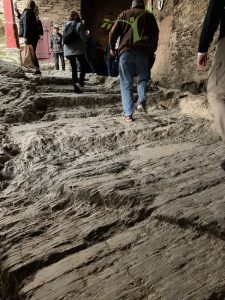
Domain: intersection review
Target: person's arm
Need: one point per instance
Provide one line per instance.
(210, 25)
(81, 32)
(40, 27)
(202, 59)
(18, 14)
(51, 42)
(114, 33)
(23, 26)
(61, 41)
(17, 11)
(60, 38)
(26, 24)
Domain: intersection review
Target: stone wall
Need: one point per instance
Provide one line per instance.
(180, 24)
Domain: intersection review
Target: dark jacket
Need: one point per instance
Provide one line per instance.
(29, 26)
(142, 34)
(79, 46)
(215, 16)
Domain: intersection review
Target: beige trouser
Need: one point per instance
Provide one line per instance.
(216, 87)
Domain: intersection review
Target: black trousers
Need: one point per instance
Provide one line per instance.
(83, 67)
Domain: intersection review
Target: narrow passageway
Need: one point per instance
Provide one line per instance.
(92, 208)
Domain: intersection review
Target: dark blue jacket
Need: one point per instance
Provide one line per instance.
(29, 26)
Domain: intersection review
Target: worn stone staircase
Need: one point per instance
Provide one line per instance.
(94, 209)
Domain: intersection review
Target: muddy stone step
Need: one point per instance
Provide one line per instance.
(42, 80)
(74, 100)
(63, 79)
(69, 89)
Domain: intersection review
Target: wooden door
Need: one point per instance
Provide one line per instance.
(43, 47)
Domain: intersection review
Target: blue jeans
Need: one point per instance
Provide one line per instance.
(133, 62)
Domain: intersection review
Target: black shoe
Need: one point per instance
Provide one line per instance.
(81, 84)
(77, 90)
(78, 87)
(38, 72)
(223, 165)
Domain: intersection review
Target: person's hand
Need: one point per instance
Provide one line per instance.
(16, 8)
(201, 61)
(25, 41)
(112, 52)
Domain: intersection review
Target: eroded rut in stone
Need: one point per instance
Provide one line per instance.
(92, 208)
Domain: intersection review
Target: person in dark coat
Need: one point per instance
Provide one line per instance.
(76, 51)
(30, 28)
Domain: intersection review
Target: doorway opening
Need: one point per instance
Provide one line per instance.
(95, 11)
